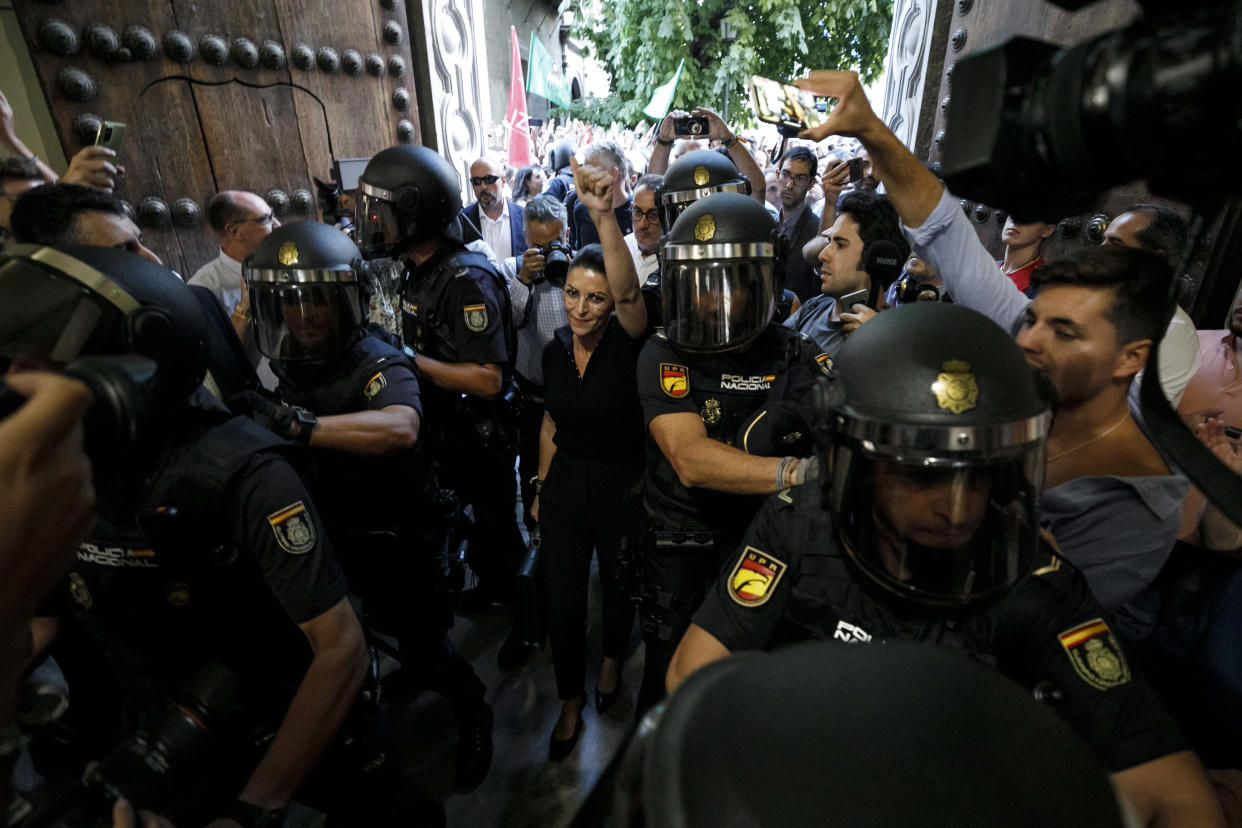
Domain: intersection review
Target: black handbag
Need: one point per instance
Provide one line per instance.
(528, 609)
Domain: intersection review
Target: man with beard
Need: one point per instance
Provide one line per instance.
(497, 218)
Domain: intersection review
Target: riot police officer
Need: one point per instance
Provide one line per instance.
(354, 399)
(207, 546)
(456, 319)
(721, 389)
(931, 534)
(696, 175)
(562, 183)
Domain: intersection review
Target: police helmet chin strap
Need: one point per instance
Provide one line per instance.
(1212, 477)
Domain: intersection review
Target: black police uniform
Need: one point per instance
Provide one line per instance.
(791, 582)
(220, 560)
(379, 515)
(455, 309)
(561, 185)
(689, 531)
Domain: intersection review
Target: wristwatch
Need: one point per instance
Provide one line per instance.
(537, 482)
(305, 424)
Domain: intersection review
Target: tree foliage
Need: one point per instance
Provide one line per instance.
(641, 41)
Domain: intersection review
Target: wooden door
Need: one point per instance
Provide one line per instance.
(259, 95)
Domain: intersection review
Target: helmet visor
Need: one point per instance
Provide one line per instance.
(304, 322)
(938, 533)
(379, 228)
(716, 304)
(50, 317)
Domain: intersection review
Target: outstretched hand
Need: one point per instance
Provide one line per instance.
(594, 186)
(852, 116)
(94, 167)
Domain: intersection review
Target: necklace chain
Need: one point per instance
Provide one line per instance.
(1099, 436)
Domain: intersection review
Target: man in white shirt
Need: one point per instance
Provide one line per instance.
(644, 242)
(240, 220)
(498, 219)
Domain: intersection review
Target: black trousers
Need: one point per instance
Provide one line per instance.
(586, 505)
(674, 582)
(484, 479)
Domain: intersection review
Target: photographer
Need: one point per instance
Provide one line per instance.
(537, 312)
(1109, 497)
(716, 128)
(206, 546)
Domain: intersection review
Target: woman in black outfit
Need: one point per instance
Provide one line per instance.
(590, 455)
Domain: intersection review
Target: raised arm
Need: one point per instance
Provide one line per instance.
(594, 187)
(742, 159)
(664, 143)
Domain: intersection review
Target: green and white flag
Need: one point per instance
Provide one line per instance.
(543, 76)
(663, 97)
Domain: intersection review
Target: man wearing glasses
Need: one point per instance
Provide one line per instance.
(644, 242)
(798, 222)
(498, 219)
(240, 220)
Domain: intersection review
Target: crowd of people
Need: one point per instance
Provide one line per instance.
(778, 393)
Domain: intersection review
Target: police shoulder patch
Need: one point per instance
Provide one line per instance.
(293, 528)
(476, 317)
(375, 385)
(674, 379)
(754, 579)
(825, 364)
(1096, 655)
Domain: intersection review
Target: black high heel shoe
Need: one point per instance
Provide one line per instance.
(558, 749)
(603, 700)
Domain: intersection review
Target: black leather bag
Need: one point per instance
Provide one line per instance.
(528, 609)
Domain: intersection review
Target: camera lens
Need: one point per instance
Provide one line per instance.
(556, 265)
(695, 128)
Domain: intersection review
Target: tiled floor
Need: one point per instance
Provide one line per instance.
(524, 789)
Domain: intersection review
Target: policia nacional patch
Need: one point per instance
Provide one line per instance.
(674, 379)
(293, 529)
(375, 385)
(754, 579)
(1096, 655)
(476, 317)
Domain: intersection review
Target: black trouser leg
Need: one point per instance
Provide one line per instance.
(566, 542)
(484, 478)
(673, 587)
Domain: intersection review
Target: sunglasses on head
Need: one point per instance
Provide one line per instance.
(484, 179)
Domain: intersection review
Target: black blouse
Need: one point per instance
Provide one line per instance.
(597, 416)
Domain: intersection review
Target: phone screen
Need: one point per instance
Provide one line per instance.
(783, 103)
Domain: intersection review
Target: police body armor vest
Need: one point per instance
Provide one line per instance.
(830, 600)
(169, 575)
(726, 396)
(363, 493)
(434, 335)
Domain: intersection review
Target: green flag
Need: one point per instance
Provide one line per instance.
(663, 97)
(542, 75)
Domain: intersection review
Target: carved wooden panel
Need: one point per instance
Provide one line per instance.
(915, 57)
(454, 62)
(247, 94)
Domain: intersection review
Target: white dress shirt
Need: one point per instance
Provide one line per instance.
(497, 234)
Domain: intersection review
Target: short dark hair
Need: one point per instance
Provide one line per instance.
(47, 214)
(803, 154)
(1138, 278)
(224, 210)
(19, 169)
(590, 257)
(876, 219)
(1166, 233)
(649, 181)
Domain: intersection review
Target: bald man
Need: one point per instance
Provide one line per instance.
(240, 220)
(498, 219)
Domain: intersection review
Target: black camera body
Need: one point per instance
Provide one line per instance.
(691, 127)
(169, 753)
(556, 259)
(1043, 131)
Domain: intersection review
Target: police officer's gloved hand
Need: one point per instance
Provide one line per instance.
(284, 420)
(807, 471)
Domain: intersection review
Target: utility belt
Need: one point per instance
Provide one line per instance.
(532, 393)
(675, 601)
(488, 424)
(688, 542)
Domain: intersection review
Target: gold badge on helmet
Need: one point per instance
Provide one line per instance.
(701, 176)
(705, 228)
(288, 254)
(955, 387)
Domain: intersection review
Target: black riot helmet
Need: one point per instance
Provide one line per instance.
(60, 304)
(559, 154)
(696, 175)
(406, 194)
(931, 434)
(306, 303)
(718, 275)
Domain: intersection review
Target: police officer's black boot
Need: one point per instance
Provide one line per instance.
(457, 682)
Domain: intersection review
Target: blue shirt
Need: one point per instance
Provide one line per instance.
(814, 319)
